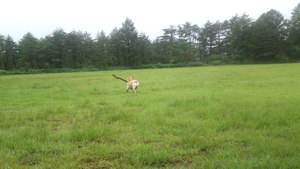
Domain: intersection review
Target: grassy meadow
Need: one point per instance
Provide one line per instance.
(202, 117)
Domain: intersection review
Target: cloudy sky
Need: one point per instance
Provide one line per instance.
(42, 17)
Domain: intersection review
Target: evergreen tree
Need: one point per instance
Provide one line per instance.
(170, 34)
(28, 51)
(144, 49)
(165, 45)
(161, 51)
(78, 49)
(2, 44)
(207, 41)
(128, 41)
(294, 33)
(9, 54)
(72, 50)
(86, 49)
(115, 48)
(188, 32)
(267, 40)
(45, 52)
(102, 57)
(184, 51)
(124, 45)
(57, 48)
(238, 37)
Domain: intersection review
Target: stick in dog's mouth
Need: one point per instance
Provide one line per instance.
(120, 78)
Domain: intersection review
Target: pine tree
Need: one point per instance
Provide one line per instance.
(28, 51)
(294, 33)
(10, 54)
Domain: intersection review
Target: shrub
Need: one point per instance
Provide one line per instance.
(217, 59)
(3, 72)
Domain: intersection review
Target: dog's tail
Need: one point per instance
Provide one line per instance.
(120, 78)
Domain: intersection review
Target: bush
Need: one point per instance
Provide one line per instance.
(3, 72)
(217, 62)
(282, 58)
(86, 69)
(169, 65)
(218, 59)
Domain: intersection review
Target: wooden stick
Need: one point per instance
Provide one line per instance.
(120, 78)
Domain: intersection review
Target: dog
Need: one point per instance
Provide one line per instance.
(132, 84)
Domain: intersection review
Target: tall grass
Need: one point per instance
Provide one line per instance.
(202, 117)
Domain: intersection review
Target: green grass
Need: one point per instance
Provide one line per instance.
(204, 117)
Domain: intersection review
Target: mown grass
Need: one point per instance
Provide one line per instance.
(204, 117)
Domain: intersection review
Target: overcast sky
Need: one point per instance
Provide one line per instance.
(42, 17)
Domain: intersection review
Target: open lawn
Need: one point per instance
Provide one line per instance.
(203, 117)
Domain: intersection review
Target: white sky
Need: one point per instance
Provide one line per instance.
(42, 17)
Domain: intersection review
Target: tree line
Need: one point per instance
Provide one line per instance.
(268, 39)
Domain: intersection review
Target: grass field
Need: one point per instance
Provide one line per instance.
(204, 117)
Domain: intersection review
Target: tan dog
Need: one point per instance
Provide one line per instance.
(132, 84)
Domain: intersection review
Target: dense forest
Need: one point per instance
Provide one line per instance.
(268, 39)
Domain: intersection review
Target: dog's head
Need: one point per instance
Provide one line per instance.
(129, 78)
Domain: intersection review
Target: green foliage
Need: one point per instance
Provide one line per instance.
(294, 34)
(127, 46)
(269, 39)
(170, 65)
(57, 48)
(9, 53)
(239, 37)
(266, 39)
(2, 44)
(102, 57)
(4, 72)
(28, 52)
(184, 52)
(217, 59)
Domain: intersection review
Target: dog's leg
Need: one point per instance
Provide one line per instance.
(134, 89)
(127, 88)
